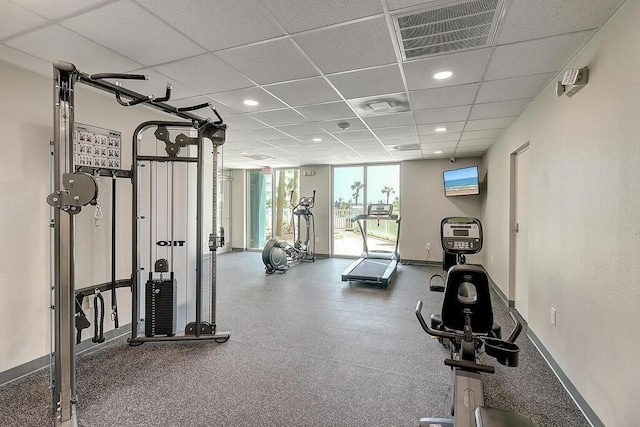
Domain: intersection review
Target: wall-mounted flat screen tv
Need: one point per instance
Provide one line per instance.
(461, 182)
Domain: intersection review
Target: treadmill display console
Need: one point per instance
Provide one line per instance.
(461, 235)
(380, 209)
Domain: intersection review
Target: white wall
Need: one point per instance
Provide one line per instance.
(321, 183)
(584, 234)
(26, 120)
(423, 205)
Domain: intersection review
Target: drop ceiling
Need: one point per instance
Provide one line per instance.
(311, 64)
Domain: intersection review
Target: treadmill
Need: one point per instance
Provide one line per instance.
(375, 266)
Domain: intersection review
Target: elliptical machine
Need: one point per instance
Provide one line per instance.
(466, 327)
(279, 255)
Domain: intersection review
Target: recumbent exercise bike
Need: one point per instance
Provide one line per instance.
(280, 255)
(466, 326)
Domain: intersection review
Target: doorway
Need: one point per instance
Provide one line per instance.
(520, 172)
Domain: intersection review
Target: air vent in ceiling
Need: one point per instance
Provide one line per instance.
(447, 26)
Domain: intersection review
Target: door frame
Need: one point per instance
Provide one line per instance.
(513, 182)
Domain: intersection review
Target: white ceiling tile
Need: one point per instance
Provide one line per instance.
(205, 73)
(301, 129)
(443, 96)
(246, 145)
(157, 86)
(431, 129)
(485, 142)
(498, 109)
(535, 56)
(285, 116)
(241, 122)
(444, 137)
(328, 111)
(513, 88)
(327, 148)
(60, 8)
(446, 145)
(133, 32)
(216, 26)
(389, 120)
(269, 62)
(404, 140)
(304, 92)
(263, 133)
(395, 132)
(14, 56)
(372, 151)
(332, 125)
(285, 142)
(303, 15)
(15, 19)
(438, 115)
(326, 138)
(370, 82)
(526, 20)
(401, 4)
(501, 123)
(467, 67)
(56, 42)
(235, 98)
(354, 135)
(357, 45)
(481, 134)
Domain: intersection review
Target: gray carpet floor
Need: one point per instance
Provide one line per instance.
(305, 349)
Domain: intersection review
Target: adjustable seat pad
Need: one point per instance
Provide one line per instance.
(467, 292)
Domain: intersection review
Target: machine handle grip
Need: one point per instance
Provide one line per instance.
(468, 365)
(516, 329)
(428, 329)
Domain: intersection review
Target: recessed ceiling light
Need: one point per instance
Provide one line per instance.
(437, 152)
(250, 102)
(441, 129)
(442, 75)
(244, 154)
(317, 139)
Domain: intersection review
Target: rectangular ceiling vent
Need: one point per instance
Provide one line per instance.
(447, 26)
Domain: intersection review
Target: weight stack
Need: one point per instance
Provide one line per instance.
(160, 307)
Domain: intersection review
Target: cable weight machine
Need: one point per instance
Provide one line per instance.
(74, 188)
(160, 295)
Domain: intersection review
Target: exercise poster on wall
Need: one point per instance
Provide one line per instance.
(96, 147)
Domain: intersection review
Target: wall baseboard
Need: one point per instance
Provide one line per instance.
(421, 262)
(582, 404)
(32, 366)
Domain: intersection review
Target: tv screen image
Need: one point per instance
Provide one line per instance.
(461, 182)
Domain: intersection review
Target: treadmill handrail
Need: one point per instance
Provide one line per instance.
(363, 217)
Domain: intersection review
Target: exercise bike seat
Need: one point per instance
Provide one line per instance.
(494, 417)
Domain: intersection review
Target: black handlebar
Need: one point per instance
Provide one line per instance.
(452, 335)
(307, 207)
(428, 329)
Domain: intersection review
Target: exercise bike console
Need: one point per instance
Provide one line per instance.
(461, 235)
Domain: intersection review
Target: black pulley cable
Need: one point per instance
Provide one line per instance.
(114, 301)
(98, 329)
